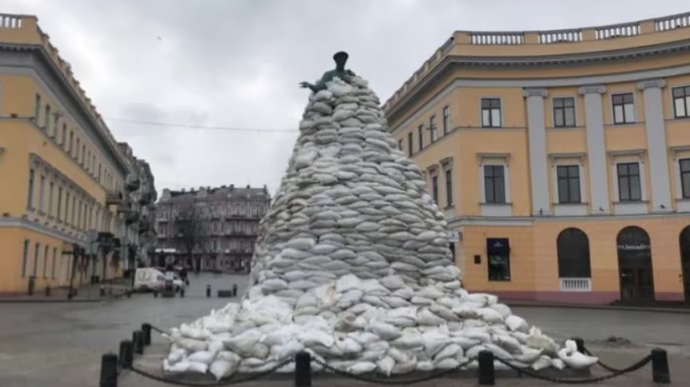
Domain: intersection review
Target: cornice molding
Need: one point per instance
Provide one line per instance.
(535, 93)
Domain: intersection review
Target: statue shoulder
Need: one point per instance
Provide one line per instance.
(350, 72)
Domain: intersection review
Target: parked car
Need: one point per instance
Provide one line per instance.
(148, 279)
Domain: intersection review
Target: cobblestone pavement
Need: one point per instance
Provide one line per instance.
(60, 345)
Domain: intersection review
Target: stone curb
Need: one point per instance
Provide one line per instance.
(519, 304)
(10, 300)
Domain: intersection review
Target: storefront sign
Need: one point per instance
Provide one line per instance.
(639, 247)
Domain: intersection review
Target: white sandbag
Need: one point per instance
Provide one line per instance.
(205, 357)
(177, 368)
(393, 282)
(244, 343)
(426, 317)
(385, 365)
(191, 344)
(347, 282)
(516, 323)
(385, 331)
(316, 337)
(199, 368)
(450, 351)
(223, 369)
(362, 367)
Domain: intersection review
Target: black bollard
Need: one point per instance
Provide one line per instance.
(487, 376)
(303, 370)
(129, 294)
(660, 371)
(126, 353)
(182, 293)
(138, 342)
(155, 293)
(47, 290)
(208, 290)
(101, 291)
(32, 285)
(108, 370)
(234, 290)
(146, 330)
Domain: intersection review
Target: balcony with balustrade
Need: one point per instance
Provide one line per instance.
(522, 47)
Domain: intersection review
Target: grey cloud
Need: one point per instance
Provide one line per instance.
(238, 63)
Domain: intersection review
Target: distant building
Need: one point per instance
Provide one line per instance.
(210, 228)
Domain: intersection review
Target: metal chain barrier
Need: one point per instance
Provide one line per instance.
(155, 328)
(602, 364)
(643, 362)
(219, 383)
(388, 381)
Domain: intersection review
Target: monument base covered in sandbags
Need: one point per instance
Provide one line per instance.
(352, 265)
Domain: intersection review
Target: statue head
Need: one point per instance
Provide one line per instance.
(340, 59)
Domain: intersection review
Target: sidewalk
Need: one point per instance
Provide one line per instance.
(679, 309)
(86, 293)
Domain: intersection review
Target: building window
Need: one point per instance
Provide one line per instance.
(56, 125)
(52, 274)
(498, 254)
(41, 193)
(420, 136)
(572, 247)
(432, 128)
(449, 187)
(568, 183)
(491, 113)
(46, 250)
(684, 166)
(434, 188)
(446, 120)
(82, 157)
(30, 200)
(77, 153)
(400, 145)
(681, 102)
(494, 184)
(564, 112)
(66, 206)
(63, 138)
(37, 254)
(37, 109)
(25, 258)
(59, 204)
(70, 143)
(410, 151)
(74, 211)
(623, 108)
(51, 191)
(629, 186)
(46, 119)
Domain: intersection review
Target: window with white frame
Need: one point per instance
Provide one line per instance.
(448, 174)
(629, 183)
(410, 150)
(623, 108)
(564, 112)
(684, 170)
(568, 177)
(681, 102)
(491, 112)
(494, 184)
(420, 136)
(434, 188)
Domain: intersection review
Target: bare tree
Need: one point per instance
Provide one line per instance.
(190, 231)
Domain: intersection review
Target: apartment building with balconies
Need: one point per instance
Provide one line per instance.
(211, 228)
(62, 174)
(561, 158)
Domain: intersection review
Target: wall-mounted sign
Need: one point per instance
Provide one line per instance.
(638, 247)
(453, 236)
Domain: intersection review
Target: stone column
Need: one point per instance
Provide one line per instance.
(536, 130)
(656, 144)
(596, 149)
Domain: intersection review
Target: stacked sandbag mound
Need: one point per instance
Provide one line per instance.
(352, 264)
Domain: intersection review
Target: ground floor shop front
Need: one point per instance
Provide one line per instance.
(576, 260)
(30, 256)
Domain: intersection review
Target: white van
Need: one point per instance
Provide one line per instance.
(147, 278)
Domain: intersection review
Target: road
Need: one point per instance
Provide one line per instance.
(60, 345)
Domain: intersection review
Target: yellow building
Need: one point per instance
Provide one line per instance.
(61, 172)
(562, 158)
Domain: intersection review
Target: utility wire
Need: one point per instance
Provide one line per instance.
(200, 127)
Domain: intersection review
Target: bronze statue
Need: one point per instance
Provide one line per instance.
(340, 59)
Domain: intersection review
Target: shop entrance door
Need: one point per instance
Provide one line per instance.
(635, 265)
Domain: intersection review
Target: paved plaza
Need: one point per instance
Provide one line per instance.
(60, 344)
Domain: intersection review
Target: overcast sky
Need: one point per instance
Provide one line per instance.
(237, 64)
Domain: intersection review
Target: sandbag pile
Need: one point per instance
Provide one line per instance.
(352, 264)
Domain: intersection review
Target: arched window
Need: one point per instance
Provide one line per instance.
(573, 254)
